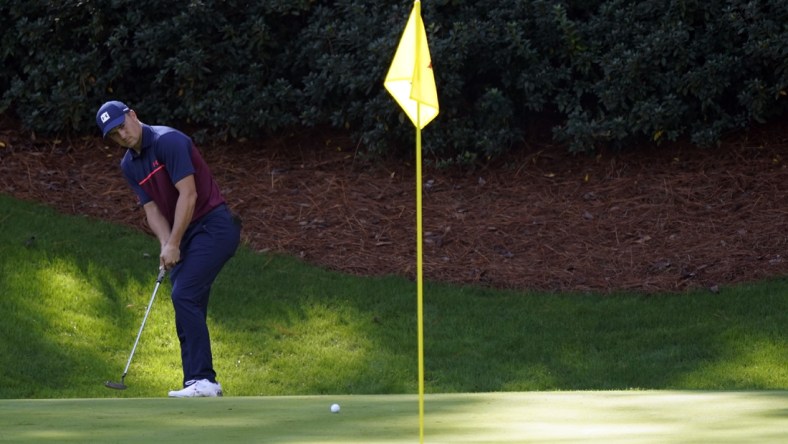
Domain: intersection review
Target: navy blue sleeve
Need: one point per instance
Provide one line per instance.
(174, 150)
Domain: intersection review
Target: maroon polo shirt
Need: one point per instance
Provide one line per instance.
(166, 157)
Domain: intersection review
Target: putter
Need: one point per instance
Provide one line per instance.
(120, 385)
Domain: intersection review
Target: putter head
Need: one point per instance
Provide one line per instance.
(115, 385)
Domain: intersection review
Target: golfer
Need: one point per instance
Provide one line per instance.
(187, 213)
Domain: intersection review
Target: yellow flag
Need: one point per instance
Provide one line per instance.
(410, 79)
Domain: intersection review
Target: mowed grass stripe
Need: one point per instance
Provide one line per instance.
(543, 417)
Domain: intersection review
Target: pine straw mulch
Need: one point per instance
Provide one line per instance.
(659, 219)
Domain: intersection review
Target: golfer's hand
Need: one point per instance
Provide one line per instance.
(170, 256)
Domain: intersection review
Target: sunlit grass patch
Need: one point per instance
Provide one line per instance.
(74, 297)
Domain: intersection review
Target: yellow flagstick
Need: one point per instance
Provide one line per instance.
(420, 279)
(411, 82)
(419, 250)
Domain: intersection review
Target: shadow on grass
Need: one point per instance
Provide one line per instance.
(77, 295)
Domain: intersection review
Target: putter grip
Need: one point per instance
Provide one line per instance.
(160, 277)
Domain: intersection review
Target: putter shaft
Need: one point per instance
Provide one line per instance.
(120, 385)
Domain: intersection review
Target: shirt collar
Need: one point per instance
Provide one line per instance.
(147, 141)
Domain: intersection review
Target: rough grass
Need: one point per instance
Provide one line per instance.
(74, 291)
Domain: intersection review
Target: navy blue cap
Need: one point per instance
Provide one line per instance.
(110, 115)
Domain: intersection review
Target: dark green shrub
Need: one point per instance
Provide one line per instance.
(612, 72)
(694, 68)
(208, 63)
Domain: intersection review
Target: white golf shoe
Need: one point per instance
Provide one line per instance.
(198, 389)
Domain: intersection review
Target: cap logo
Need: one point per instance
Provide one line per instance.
(104, 117)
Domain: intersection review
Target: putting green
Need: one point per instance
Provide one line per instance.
(588, 417)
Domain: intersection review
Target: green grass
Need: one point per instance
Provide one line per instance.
(537, 417)
(73, 300)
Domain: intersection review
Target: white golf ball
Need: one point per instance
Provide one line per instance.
(334, 408)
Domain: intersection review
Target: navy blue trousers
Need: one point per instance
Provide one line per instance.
(206, 246)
